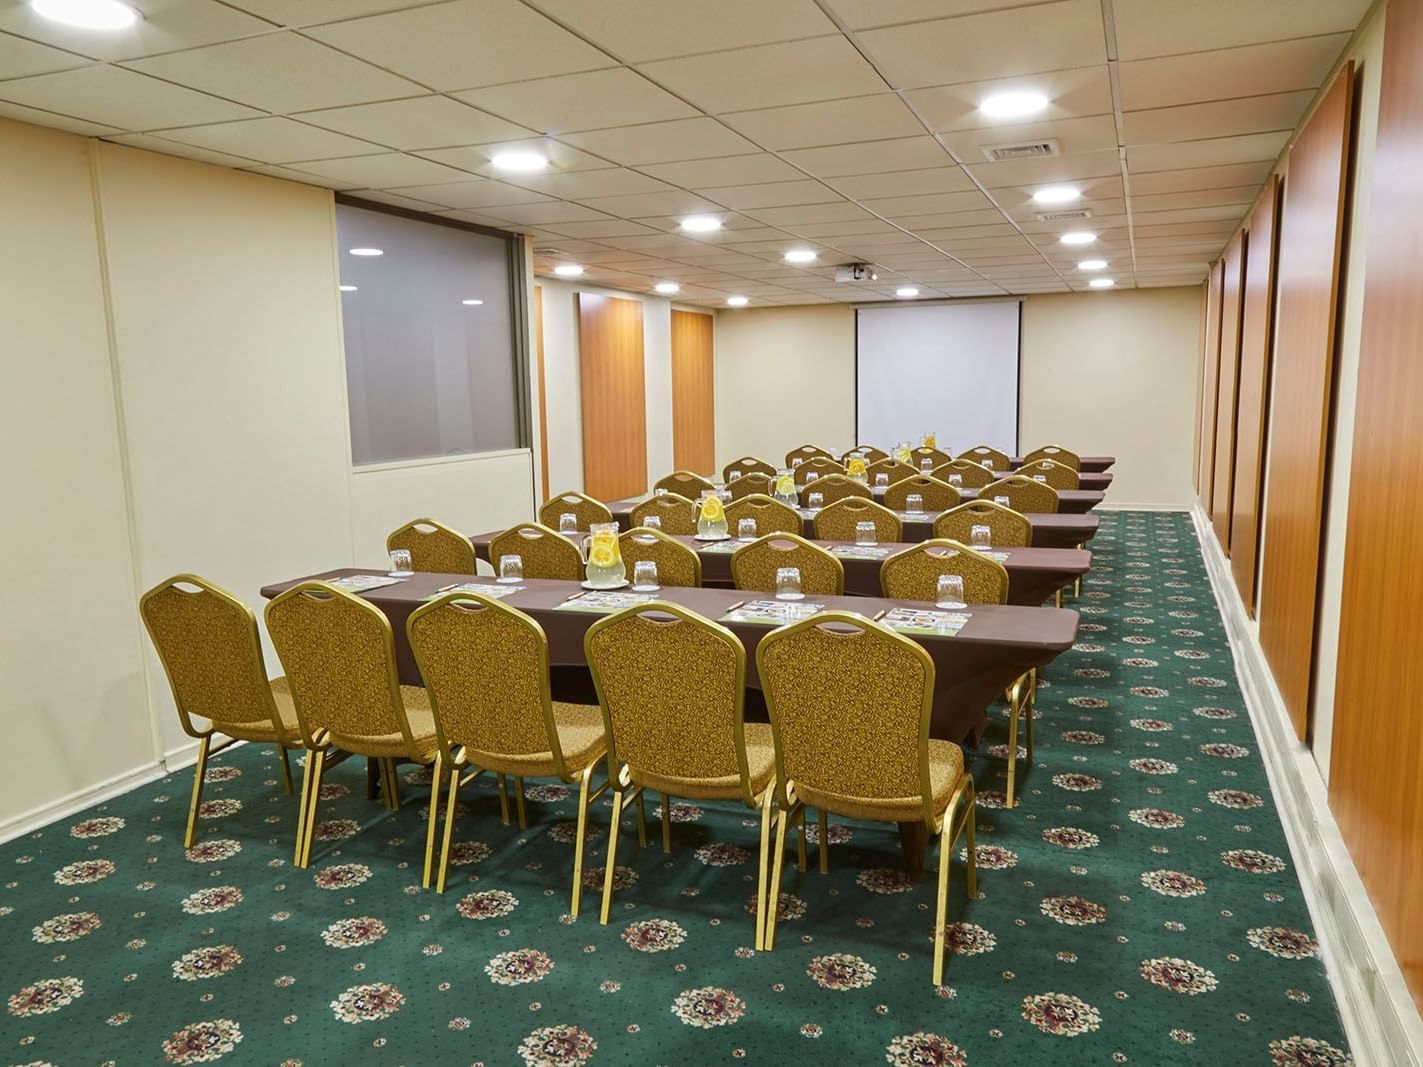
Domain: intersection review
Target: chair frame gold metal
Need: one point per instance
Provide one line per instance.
(584, 507)
(938, 456)
(888, 525)
(805, 452)
(892, 467)
(1057, 454)
(978, 453)
(820, 466)
(971, 475)
(871, 453)
(767, 542)
(983, 507)
(760, 506)
(642, 534)
(746, 465)
(896, 497)
(840, 486)
(439, 530)
(753, 483)
(1016, 485)
(684, 483)
(497, 545)
(672, 506)
(1059, 476)
(941, 548)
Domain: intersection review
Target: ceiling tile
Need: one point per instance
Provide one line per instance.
(581, 184)
(670, 202)
(550, 214)
(280, 72)
(945, 179)
(271, 140)
(942, 220)
(1255, 70)
(841, 228)
(772, 194)
(479, 218)
(1210, 152)
(730, 170)
(1168, 27)
(476, 158)
(315, 12)
(661, 142)
(1222, 118)
(1073, 137)
(1073, 94)
(153, 143)
(292, 174)
(871, 157)
(1243, 195)
(581, 101)
(417, 122)
(388, 171)
(830, 123)
(479, 193)
(20, 58)
(931, 203)
(409, 203)
(1171, 181)
(792, 216)
(601, 228)
(121, 98)
(466, 44)
(59, 122)
(166, 26)
(1232, 212)
(1047, 170)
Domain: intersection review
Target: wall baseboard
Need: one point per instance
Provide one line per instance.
(1380, 1018)
(1106, 506)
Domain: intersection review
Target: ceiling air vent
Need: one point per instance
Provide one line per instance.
(1064, 216)
(996, 153)
(552, 253)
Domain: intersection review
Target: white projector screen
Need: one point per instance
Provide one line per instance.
(950, 368)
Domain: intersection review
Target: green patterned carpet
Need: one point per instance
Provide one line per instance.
(1139, 907)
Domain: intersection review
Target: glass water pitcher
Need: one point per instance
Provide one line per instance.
(605, 567)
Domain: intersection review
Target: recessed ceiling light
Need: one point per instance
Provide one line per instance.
(1092, 264)
(471, 303)
(87, 14)
(519, 162)
(737, 301)
(1057, 194)
(908, 290)
(701, 223)
(1013, 105)
(667, 287)
(1101, 283)
(1078, 237)
(568, 270)
(367, 251)
(346, 288)
(800, 255)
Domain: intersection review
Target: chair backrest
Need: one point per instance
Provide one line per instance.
(849, 702)
(676, 563)
(673, 510)
(746, 484)
(837, 521)
(1057, 475)
(433, 546)
(338, 654)
(587, 510)
(820, 466)
(982, 452)
(771, 515)
(971, 475)
(1024, 495)
(1010, 529)
(485, 667)
(870, 452)
(207, 642)
(936, 456)
(937, 496)
(685, 483)
(805, 452)
(546, 553)
(896, 470)
(672, 686)
(835, 487)
(914, 573)
(746, 465)
(1056, 453)
(754, 566)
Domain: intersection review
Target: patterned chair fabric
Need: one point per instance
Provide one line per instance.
(971, 475)
(937, 496)
(835, 487)
(896, 470)
(914, 573)
(676, 563)
(837, 521)
(1058, 475)
(685, 483)
(1024, 494)
(673, 511)
(771, 515)
(820, 466)
(746, 465)
(1056, 453)
(434, 547)
(805, 452)
(1010, 529)
(936, 456)
(983, 452)
(545, 552)
(754, 566)
(747, 484)
(585, 508)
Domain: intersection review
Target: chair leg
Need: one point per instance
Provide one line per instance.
(800, 844)
(941, 905)
(765, 860)
(823, 826)
(519, 802)
(451, 806)
(190, 835)
(391, 785)
(316, 772)
(666, 823)
(437, 773)
(641, 819)
(1028, 713)
(1057, 599)
(372, 775)
(306, 766)
(970, 821)
(612, 857)
(578, 847)
(773, 891)
(1014, 709)
(286, 769)
(504, 799)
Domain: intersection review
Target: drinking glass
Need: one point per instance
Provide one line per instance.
(661, 490)
(914, 503)
(797, 461)
(400, 565)
(1040, 478)
(950, 592)
(746, 529)
(881, 480)
(956, 480)
(815, 501)
(644, 575)
(980, 536)
(568, 523)
(864, 533)
(926, 465)
(788, 583)
(1002, 501)
(988, 464)
(511, 569)
(652, 522)
(810, 476)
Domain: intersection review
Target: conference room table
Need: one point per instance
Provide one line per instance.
(972, 668)
(1092, 464)
(1050, 529)
(1100, 481)
(1069, 501)
(1034, 574)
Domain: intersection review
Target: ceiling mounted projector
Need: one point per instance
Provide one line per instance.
(855, 272)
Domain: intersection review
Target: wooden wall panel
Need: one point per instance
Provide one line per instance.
(1310, 237)
(1376, 765)
(693, 393)
(1231, 304)
(1252, 403)
(545, 488)
(1208, 390)
(611, 376)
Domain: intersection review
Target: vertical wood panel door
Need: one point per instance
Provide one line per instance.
(693, 393)
(1222, 483)
(1310, 234)
(1376, 766)
(545, 489)
(611, 372)
(1256, 337)
(1208, 392)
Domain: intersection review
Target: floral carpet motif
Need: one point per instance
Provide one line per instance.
(1140, 906)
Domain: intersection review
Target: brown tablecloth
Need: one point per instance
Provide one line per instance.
(972, 668)
(1094, 464)
(1098, 481)
(1034, 574)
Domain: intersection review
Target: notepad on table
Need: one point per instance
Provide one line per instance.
(772, 612)
(498, 592)
(925, 621)
(604, 601)
(359, 583)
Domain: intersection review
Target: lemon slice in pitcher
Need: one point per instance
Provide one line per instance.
(601, 555)
(712, 511)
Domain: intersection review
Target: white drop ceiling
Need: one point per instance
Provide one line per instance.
(847, 126)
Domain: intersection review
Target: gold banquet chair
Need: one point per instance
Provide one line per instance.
(339, 654)
(674, 512)
(546, 553)
(672, 686)
(747, 484)
(807, 452)
(746, 465)
(936, 496)
(1007, 528)
(871, 453)
(835, 487)
(684, 483)
(583, 508)
(1057, 454)
(1025, 495)
(434, 547)
(486, 668)
(892, 468)
(820, 466)
(770, 514)
(914, 573)
(837, 521)
(208, 644)
(1055, 474)
(971, 475)
(676, 563)
(849, 702)
(754, 566)
(1000, 460)
(937, 457)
